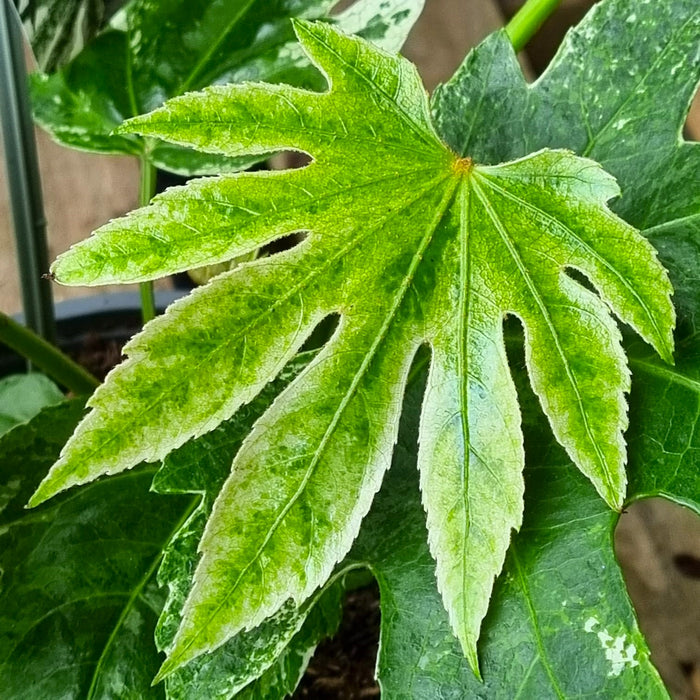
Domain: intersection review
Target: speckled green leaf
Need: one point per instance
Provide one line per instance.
(560, 624)
(78, 597)
(22, 396)
(156, 49)
(607, 95)
(624, 103)
(432, 249)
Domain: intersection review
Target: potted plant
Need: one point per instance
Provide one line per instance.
(467, 253)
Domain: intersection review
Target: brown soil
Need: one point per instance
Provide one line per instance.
(98, 355)
(343, 667)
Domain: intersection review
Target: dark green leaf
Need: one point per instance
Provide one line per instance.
(560, 624)
(78, 597)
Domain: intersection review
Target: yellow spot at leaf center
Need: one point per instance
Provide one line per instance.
(462, 166)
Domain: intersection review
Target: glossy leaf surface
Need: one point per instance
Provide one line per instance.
(559, 625)
(444, 233)
(154, 50)
(78, 600)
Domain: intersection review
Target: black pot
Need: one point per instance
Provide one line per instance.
(88, 323)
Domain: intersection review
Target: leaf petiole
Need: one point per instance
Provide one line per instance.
(46, 356)
(527, 20)
(146, 191)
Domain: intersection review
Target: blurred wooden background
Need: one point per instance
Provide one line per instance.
(658, 543)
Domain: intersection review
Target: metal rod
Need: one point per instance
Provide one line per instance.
(23, 179)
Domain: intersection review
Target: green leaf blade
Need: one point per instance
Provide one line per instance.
(471, 484)
(22, 396)
(269, 654)
(79, 601)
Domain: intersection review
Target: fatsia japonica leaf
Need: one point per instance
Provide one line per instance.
(156, 49)
(410, 244)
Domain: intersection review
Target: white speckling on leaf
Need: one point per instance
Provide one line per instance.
(619, 654)
(590, 623)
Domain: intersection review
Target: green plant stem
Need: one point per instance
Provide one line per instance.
(46, 356)
(527, 20)
(23, 180)
(146, 192)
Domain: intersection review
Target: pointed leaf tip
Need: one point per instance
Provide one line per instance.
(164, 671)
(472, 657)
(41, 495)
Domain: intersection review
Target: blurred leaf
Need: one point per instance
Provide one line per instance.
(58, 29)
(22, 396)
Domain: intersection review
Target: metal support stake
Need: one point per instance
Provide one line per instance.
(23, 180)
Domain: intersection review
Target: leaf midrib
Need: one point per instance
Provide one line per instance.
(167, 216)
(397, 145)
(369, 356)
(186, 84)
(464, 327)
(532, 614)
(669, 374)
(498, 225)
